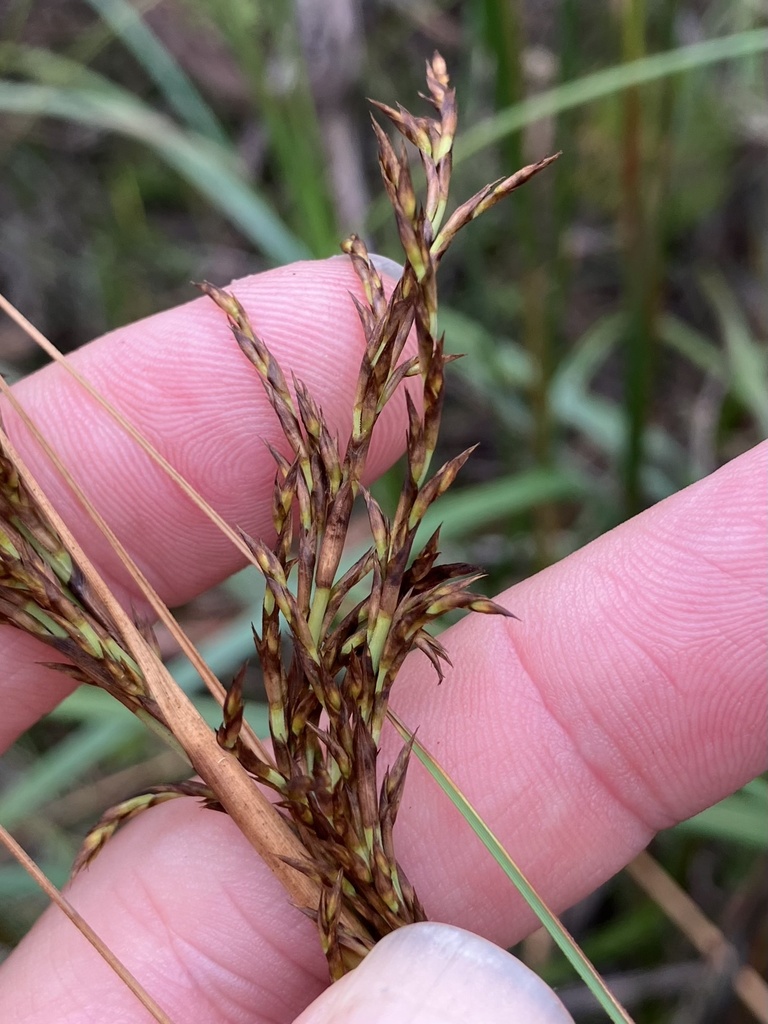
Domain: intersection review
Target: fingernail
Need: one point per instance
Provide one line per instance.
(384, 265)
(437, 974)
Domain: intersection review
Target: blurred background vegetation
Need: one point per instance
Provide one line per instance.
(614, 312)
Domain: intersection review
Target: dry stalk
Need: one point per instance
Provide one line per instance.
(83, 927)
(50, 589)
(330, 838)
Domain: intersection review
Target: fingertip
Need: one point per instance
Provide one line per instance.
(434, 973)
(387, 267)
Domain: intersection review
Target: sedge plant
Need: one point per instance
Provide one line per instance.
(330, 833)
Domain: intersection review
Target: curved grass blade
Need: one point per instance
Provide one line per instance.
(202, 163)
(549, 920)
(693, 346)
(262, 37)
(748, 367)
(607, 82)
(180, 92)
(45, 67)
(92, 706)
(602, 420)
(740, 818)
(70, 759)
(470, 510)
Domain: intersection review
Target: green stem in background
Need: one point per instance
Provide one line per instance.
(645, 173)
(564, 193)
(504, 34)
(264, 38)
(635, 241)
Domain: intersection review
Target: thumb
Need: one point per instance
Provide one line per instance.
(437, 974)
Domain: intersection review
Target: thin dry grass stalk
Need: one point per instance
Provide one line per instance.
(723, 957)
(83, 927)
(72, 610)
(328, 696)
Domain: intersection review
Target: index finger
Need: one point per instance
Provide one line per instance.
(180, 378)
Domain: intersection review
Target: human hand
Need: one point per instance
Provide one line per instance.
(629, 696)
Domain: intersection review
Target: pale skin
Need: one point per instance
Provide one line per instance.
(631, 694)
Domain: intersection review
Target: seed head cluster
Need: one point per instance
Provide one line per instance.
(349, 631)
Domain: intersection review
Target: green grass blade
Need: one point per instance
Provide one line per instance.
(693, 345)
(263, 37)
(549, 920)
(740, 818)
(468, 511)
(15, 883)
(54, 69)
(68, 761)
(479, 345)
(496, 369)
(746, 359)
(607, 82)
(85, 706)
(171, 80)
(202, 163)
(104, 730)
(601, 420)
